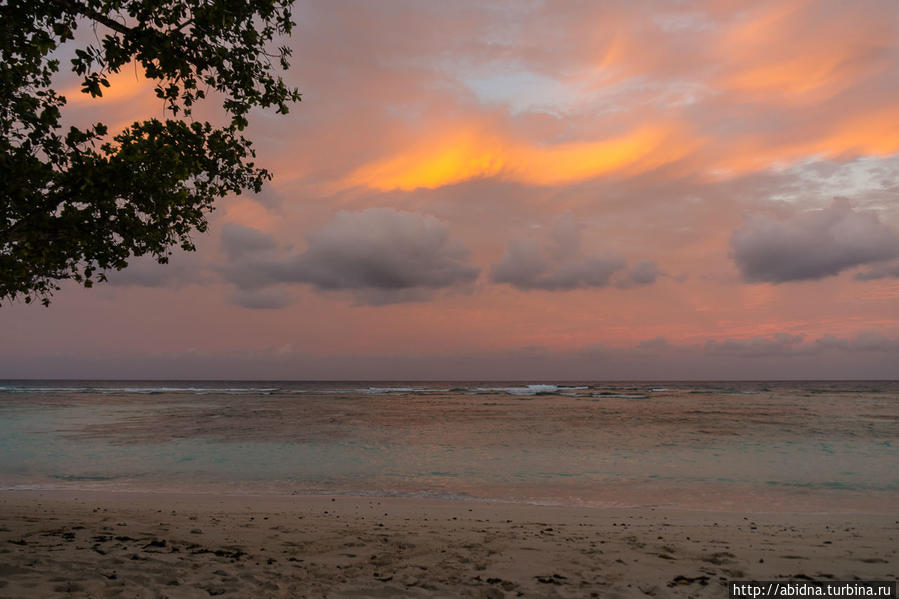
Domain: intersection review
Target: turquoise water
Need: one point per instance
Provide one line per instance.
(762, 446)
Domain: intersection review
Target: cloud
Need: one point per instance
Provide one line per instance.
(382, 248)
(779, 344)
(786, 344)
(811, 245)
(144, 271)
(456, 157)
(558, 263)
(874, 341)
(879, 271)
(238, 240)
(870, 341)
(263, 299)
(653, 346)
(644, 272)
(651, 360)
(542, 94)
(525, 266)
(382, 255)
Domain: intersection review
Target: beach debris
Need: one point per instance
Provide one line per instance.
(680, 579)
(719, 558)
(155, 543)
(215, 590)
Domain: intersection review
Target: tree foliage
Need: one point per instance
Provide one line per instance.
(75, 202)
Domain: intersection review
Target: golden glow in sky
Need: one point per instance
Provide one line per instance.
(601, 189)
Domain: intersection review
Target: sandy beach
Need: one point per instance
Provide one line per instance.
(118, 544)
(540, 299)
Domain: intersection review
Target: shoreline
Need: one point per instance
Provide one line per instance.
(132, 543)
(824, 505)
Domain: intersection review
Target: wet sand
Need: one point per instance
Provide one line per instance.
(104, 544)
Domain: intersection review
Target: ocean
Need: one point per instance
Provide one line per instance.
(811, 447)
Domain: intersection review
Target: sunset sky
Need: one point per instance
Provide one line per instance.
(531, 190)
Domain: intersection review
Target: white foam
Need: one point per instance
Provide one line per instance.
(527, 391)
(383, 390)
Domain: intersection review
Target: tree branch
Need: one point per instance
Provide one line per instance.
(99, 17)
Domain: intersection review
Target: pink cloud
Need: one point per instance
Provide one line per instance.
(657, 125)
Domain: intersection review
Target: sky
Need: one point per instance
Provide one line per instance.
(694, 189)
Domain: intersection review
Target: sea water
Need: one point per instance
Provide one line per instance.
(759, 446)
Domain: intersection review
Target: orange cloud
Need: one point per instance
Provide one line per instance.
(801, 52)
(248, 212)
(809, 77)
(868, 134)
(704, 92)
(874, 133)
(125, 85)
(472, 154)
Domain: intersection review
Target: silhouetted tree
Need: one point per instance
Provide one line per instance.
(76, 202)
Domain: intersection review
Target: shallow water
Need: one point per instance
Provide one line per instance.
(812, 446)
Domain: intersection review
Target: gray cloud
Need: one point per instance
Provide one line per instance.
(382, 255)
(811, 245)
(777, 345)
(879, 271)
(644, 272)
(869, 355)
(262, 299)
(656, 345)
(874, 341)
(250, 274)
(382, 248)
(524, 266)
(867, 341)
(558, 264)
(238, 241)
(786, 344)
(145, 271)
